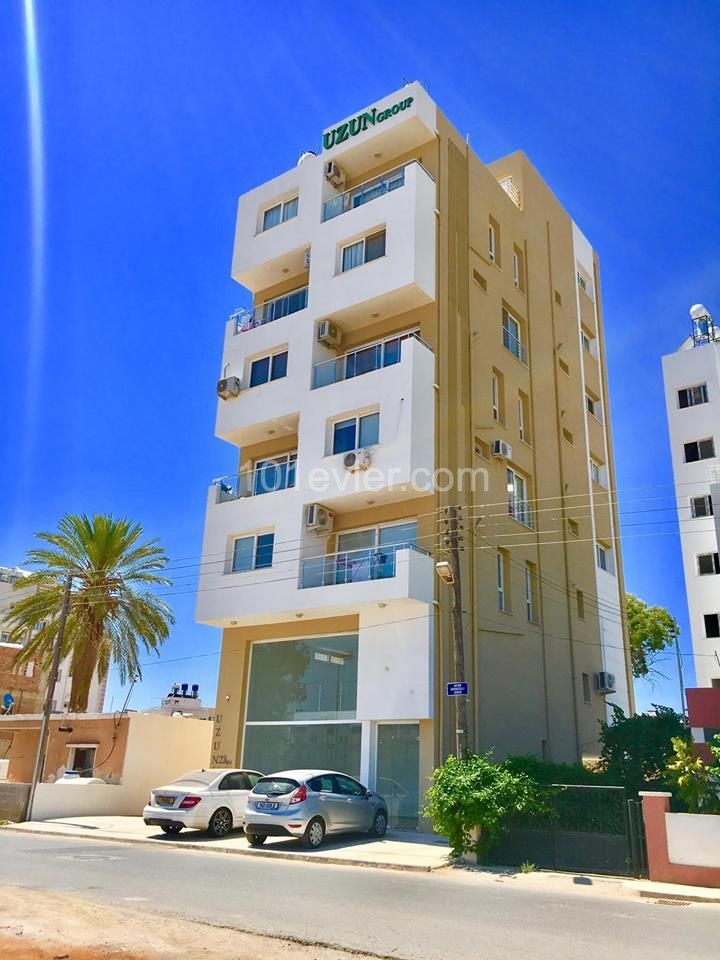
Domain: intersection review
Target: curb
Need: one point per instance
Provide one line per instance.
(211, 848)
(645, 894)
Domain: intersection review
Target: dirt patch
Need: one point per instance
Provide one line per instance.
(38, 925)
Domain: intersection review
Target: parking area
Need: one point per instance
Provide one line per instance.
(396, 850)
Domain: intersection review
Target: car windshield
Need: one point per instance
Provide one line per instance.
(203, 777)
(275, 786)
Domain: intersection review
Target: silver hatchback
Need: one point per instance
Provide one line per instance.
(308, 804)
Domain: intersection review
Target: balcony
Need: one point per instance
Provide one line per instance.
(274, 475)
(516, 347)
(353, 566)
(271, 310)
(508, 185)
(519, 509)
(385, 353)
(404, 277)
(364, 193)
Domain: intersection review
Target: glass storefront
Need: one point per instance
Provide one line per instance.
(398, 759)
(295, 681)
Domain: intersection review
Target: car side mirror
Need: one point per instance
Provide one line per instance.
(368, 794)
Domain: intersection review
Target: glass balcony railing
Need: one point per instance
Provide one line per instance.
(520, 510)
(270, 310)
(270, 477)
(516, 347)
(364, 193)
(386, 353)
(353, 566)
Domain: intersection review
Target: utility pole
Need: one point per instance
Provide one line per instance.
(683, 705)
(461, 729)
(47, 709)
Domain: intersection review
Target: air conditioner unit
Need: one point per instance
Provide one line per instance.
(502, 450)
(228, 387)
(318, 519)
(605, 682)
(306, 258)
(329, 334)
(357, 460)
(334, 174)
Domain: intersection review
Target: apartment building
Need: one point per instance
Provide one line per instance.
(417, 316)
(692, 399)
(27, 684)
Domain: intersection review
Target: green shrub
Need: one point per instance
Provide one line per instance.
(545, 772)
(697, 782)
(477, 792)
(636, 749)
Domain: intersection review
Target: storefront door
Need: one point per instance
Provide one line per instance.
(398, 775)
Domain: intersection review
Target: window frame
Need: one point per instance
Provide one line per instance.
(282, 205)
(530, 593)
(714, 562)
(601, 551)
(707, 623)
(698, 445)
(502, 585)
(256, 546)
(357, 418)
(270, 357)
(709, 511)
(364, 241)
(689, 394)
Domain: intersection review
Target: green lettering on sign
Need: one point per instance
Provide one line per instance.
(344, 131)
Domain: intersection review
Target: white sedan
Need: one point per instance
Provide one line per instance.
(212, 800)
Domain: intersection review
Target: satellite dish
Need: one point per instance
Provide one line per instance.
(8, 701)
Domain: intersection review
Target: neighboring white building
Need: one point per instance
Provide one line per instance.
(184, 700)
(692, 398)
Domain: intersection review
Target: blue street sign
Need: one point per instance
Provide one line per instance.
(8, 700)
(457, 689)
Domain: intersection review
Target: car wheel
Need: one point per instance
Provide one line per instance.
(314, 834)
(255, 839)
(171, 827)
(379, 824)
(221, 823)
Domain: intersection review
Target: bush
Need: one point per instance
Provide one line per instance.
(477, 792)
(545, 772)
(636, 750)
(697, 782)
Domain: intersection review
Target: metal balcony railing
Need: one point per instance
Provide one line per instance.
(253, 483)
(520, 510)
(364, 360)
(365, 192)
(270, 310)
(353, 566)
(516, 347)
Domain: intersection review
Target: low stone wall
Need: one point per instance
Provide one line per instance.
(13, 800)
(681, 847)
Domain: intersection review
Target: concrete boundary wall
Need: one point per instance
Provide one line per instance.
(13, 801)
(681, 847)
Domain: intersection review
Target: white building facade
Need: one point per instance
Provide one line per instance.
(692, 397)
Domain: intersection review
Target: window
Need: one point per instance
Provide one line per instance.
(587, 697)
(518, 269)
(597, 472)
(503, 586)
(348, 787)
(524, 417)
(368, 554)
(580, 601)
(497, 391)
(4, 638)
(692, 396)
(518, 504)
(271, 367)
(356, 432)
(253, 553)
(531, 592)
(604, 558)
(593, 407)
(29, 670)
(712, 625)
(512, 337)
(274, 473)
(236, 781)
(588, 343)
(363, 251)
(280, 213)
(699, 450)
(81, 759)
(573, 528)
(701, 506)
(482, 449)
(494, 241)
(708, 564)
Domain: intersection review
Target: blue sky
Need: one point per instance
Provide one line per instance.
(155, 115)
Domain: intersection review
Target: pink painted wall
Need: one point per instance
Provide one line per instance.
(655, 806)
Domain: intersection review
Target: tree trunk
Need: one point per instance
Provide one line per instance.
(84, 663)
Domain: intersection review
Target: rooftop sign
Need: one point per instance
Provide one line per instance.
(351, 128)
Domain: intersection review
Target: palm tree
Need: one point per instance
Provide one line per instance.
(111, 617)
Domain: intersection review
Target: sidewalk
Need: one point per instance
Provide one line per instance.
(398, 850)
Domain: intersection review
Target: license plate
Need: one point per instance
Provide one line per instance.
(165, 801)
(266, 805)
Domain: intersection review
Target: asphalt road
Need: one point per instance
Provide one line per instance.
(454, 914)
